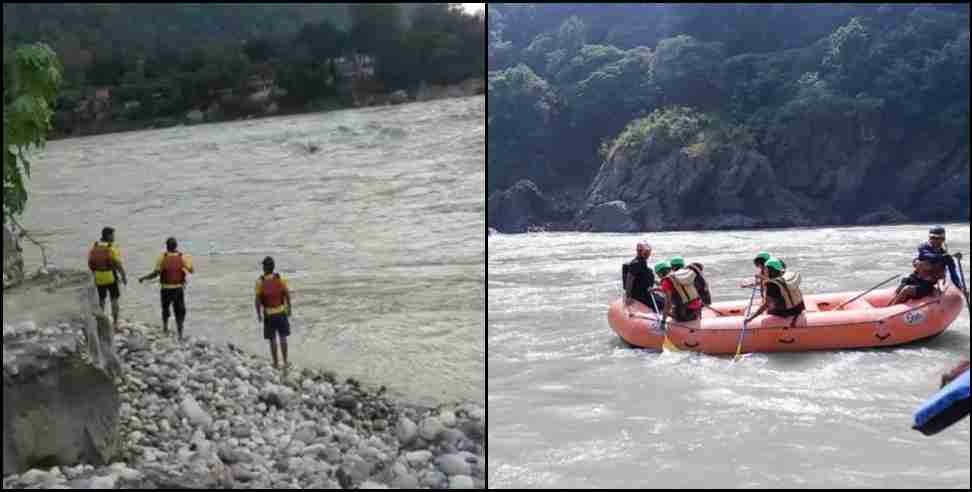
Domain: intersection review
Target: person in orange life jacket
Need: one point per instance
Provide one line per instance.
(678, 263)
(783, 295)
(274, 306)
(104, 261)
(172, 266)
(682, 300)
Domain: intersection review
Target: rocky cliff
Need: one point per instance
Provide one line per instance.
(813, 171)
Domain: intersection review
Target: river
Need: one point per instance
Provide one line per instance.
(571, 408)
(375, 216)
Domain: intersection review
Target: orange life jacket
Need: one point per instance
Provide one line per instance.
(99, 260)
(273, 292)
(172, 271)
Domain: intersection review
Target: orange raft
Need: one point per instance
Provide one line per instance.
(864, 323)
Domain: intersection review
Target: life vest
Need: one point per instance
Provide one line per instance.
(789, 285)
(173, 271)
(684, 283)
(99, 260)
(702, 287)
(273, 292)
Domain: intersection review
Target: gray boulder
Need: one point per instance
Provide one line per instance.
(516, 209)
(609, 217)
(60, 404)
(13, 262)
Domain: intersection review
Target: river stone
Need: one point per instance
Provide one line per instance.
(305, 435)
(194, 412)
(346, 402)
(418, 459)
(401, 478)
(461, 482)
(448, 419)
(406, 431)
(104, 483)
(453, 464)
(430, 428)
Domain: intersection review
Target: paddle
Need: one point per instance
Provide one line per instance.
(667, 345)
(720, 313)
(745, 321)
(868, 291)
(965, 287)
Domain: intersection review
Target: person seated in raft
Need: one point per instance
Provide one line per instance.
(682, 299)
(639, 280)
(783, 295)
(678, 263)
(760, 263)
(933, 258)
(919, 285)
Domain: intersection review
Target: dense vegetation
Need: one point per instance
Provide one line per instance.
(569, 82)
(167, 59)
(31, 80)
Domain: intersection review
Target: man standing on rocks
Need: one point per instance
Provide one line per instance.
(274, 307)
(173, 267)
(104, 260)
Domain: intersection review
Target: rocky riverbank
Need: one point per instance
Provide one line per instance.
(200, 415)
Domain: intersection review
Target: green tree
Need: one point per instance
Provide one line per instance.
(324, 40)
(29, 92)
(848, 56)
(687, 70)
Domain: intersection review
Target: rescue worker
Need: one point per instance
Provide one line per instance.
(274, 306)
(682, 300)
(783, 295)
(701, 285)
(104, 261)
(639, 280)
(173, 268)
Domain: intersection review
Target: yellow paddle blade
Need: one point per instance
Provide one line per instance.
(668, 346)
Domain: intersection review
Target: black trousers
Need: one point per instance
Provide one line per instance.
(174, 298)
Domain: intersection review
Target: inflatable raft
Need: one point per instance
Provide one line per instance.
(945, 409)
(864, 323)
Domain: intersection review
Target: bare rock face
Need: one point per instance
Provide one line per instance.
(13, 262)
(60, 403)
(516, 209)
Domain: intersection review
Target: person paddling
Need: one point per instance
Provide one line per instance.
(783, 295)
(701, 285)
(274, 306)
(173, 268)
(104, 261)
(682, 300)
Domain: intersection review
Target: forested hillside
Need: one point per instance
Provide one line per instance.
(646, 117)
(149, 64)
